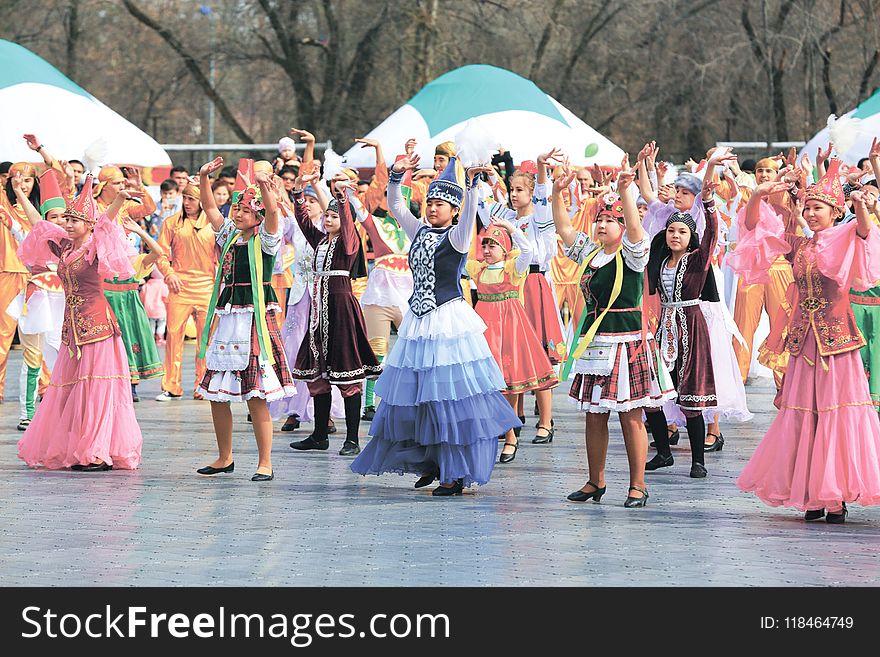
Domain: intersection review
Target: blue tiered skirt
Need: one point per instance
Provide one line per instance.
(441, 409)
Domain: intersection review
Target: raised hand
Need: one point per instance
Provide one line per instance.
(131, 226)
(343, 185)
(504, 223)
(771, 187)
(304, 135)
(15, 181)
(690, 165)
(553, 156)
(563, 180)
(662, 169)
(133, 177)
(263, 178)
(410, 146)
(721, 155)
(210, 167)
(32, 142)
(625, 179)
(822, 156)
(858, 198)
(807, 165)
(367, 143)
(305, 179)
(875, 149)
(665, 193)
(854, 176)
(409, 162)
(473, 172)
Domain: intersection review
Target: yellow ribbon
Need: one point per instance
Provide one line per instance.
(585, 341)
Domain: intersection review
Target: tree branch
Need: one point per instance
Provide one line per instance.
(192, 65)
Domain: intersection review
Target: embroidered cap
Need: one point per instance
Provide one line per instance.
(445, 187)
(828, 189)
(684, 218)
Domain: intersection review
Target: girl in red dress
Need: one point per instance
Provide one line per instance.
(512, 340)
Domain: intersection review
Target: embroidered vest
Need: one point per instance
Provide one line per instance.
(821, 305)
(625, 315)
(87, 314)
(436, 268)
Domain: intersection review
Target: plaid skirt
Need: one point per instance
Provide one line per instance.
(638, 379)
(257, 380)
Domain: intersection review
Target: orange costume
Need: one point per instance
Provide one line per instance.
(189, 255)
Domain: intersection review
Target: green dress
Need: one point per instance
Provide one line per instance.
(137, 334)
(866, 309)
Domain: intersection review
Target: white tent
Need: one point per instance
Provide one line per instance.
(37, 98)
(519, 116)
(868, 116)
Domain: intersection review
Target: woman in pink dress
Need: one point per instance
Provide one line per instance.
(823, 448)
(86, 421)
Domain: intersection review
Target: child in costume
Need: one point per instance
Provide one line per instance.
(823, 448)
(512, 340)
(616, 364)
(86, 420)
(442, 410)
(335, 351)
(244, 355)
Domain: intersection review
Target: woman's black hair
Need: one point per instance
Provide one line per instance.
(34, 196)
(660, 251)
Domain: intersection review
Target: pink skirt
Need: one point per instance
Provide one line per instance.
(86, 413)
(824, 445)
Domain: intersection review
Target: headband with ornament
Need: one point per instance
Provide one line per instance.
(611, 205)
(245, 192)
(499, 236)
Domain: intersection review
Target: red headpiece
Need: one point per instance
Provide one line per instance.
(528, 166)
(828, 189)
(498, 235)
(610, 204)
(83, 206)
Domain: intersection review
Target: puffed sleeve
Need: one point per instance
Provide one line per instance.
(580, 248)
(757, 249)
(846, 258)
(42, 245)
(111, 248)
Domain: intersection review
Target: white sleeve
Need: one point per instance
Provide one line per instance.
(359, 209)
(270, 243)
(636, 255)
(462, 233)
(525, 247)
(398, 208)
(579, 249)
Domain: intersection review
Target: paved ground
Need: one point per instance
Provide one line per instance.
(318, 524)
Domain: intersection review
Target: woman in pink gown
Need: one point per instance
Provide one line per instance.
(86, 421)
(823, 448)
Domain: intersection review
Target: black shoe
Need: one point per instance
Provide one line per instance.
(674, 437)
(425, 480)
(290, 425)
(582, 496)
(249, 418)
(350, 448)
(311, 443)
(331, 427)
(811, 516)
(698, 471)
(635, 502)
(837, 518)
(208, 470)
(93, 467)
(717, 446)
(507, 458)
(369, 413)
(263, 477)
(543, 440)
(538, 424)
(445, 491)
(535, 410)
(659, 461)
(134, 396)
(23, 425)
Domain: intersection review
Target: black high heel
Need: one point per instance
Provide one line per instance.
(717, 446)
(635, 502)
(583, 496)
(507, 458)
(543, 440)
(444, 491)
(426, 479)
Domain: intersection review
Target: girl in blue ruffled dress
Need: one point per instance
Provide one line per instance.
(442, 409)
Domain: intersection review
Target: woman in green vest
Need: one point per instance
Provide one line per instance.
(615, 362)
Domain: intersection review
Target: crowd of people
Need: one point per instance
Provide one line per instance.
(642, 285)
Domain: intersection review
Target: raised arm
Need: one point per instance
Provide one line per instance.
(264, 181)
(633, 223)
(461, 235)
(206, 196)
(521, 242)
(564, 228)
(37, 146)
(313, 235)
(396, 205)
(309, 140)
(156, 252)
(350, 238)
(376, 192)
(859, 206)
(135, 184)
(760, 194)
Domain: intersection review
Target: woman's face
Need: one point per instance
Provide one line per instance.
(244, 218)
(76, 228)
(221, 195)
(492, 252)
(314, 208)
(684, 199)
(440, 162)
(191, 207)
(643, 210)
(331, 222)
(608, 230)
(819, 215)
(27, 185)
(439, 213)
(678, 236)
(56, 216)
(520, 195)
